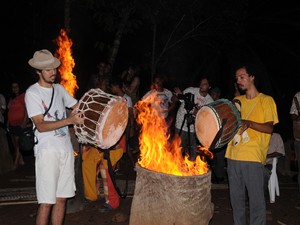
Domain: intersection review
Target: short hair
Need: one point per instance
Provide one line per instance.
(250, 67)
(203, 78)
(116, 81)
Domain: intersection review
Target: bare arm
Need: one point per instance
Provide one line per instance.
(44, 126)
(261, 127)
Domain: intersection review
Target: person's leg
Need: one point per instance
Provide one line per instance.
(19, 156)
(110, 193)
(254, 174)
(18, 159)
(43, 213)
(219, 164)
(58, 211)
(237, 191)
(90, 159)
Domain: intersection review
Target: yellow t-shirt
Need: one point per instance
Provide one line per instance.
(253, 145)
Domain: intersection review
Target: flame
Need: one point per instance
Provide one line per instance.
(64, 54)
(160, 154)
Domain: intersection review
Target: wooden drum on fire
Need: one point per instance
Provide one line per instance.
(106, 118)
(212, 117)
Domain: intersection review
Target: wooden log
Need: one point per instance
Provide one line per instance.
(163, 199)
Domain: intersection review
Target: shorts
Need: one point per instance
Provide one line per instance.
(55, 176)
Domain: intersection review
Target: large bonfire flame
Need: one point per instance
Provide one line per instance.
(64, 53)
(157, 152)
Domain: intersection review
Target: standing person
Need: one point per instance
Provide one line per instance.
(6, 162)
(131, 86)
(116, 89)
(192, 99)
(54, 157)
(17, 120)
(295, 115)
(131, 83)
(275, 150)
(246, 152)
(161, 98)
(96, 79)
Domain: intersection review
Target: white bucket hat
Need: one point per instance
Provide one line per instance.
(43, 59)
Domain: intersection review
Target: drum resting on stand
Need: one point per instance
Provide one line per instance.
(220, 119)
(106, 118)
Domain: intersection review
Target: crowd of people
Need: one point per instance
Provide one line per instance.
(244, 161)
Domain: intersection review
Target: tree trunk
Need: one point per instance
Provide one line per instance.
(153, 64)
(118, 37)
(67, 15)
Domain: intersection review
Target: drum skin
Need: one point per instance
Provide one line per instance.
(106, 118)
(209, 120)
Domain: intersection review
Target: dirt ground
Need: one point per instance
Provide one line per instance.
(18, 204)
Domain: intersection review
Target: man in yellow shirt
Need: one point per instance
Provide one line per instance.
(246, 152)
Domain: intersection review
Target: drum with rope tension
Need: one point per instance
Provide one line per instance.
(220, 114)
(106, 118)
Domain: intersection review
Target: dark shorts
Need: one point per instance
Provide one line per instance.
(15, 130)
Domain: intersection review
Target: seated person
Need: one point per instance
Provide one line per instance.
(276, 149)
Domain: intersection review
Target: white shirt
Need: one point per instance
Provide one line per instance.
(276, 145)
(160, 101)
(294, 110)
(199, 101)
(37, 99)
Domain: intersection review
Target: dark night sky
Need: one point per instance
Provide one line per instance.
(31, 25)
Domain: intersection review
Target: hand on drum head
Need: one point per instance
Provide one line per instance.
(76, 118)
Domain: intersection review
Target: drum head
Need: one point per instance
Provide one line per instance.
(112, 124)
(206, 125)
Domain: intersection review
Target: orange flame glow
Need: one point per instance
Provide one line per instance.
(64, 53)
(157, 152)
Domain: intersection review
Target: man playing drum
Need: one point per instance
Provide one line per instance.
(54, 157)
(247, 151)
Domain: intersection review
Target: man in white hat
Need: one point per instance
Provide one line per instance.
(46, 104)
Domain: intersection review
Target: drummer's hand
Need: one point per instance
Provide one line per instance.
(77, 118)
(245, 125)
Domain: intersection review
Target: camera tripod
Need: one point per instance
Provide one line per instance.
(189, 119)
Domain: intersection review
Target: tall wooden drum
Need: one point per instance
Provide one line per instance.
(106, 118)
(209, 120)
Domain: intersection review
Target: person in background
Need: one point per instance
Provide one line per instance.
(116, 88)
(54, 156)
(189, 142)
(246, 152)
(295, 115)
(131, 83)
(17, 120)
(276, 149)
(6, 162)
(161, 98)
(215, 93)
(96, 79)
(131, 86)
